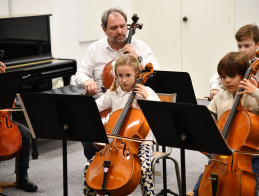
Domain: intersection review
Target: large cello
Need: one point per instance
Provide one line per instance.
(233, 175)
(108, 73)
(115, 170)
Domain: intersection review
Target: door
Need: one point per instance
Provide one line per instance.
(186, 35)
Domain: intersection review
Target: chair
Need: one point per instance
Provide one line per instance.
(166, 154)
(11, 184)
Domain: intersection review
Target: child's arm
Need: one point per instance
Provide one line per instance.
(104, 101)
(214, 85)
(213, 109)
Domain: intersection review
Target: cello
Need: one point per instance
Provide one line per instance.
(233, 175)
(108, 74)
(10, 136)
(115, 170)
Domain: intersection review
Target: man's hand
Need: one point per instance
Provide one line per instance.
(2, 67)
(91, 87)
(129, 49)
(213, 92)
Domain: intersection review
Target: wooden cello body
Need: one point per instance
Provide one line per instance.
(10, 136)
(115, 170)
(233, 175)
(124, 173)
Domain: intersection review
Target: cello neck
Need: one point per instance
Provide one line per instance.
(131, 33)
(124, 112)
(142, 79)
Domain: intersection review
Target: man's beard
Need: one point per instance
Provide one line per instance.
(121, 41)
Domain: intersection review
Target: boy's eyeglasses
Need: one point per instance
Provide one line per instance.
(127, 77)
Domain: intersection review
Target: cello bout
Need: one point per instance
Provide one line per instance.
(10, 137)
(230, 182)
(123, 173)
(235, 175)
(108, 75)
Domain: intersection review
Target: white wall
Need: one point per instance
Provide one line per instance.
(4, 8)
(194, 46)
(247, 12)
(65, 23)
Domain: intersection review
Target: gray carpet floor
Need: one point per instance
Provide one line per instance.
(47, 170)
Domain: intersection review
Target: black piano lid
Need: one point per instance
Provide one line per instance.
(25, 39)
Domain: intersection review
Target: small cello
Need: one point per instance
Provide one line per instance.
(10, 136)
(233, 175)
(108, 73)
(115, 170)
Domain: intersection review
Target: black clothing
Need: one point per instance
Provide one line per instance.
(89, 150)
(23, 161)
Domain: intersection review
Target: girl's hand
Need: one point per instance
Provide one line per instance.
(139, 88)
(248, 87)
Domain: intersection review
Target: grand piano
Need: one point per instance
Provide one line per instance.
(26, 44)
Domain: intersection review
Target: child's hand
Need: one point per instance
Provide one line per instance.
(139, 88)
(213, 92)
(248, 87)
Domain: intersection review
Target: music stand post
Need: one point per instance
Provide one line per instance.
(63, 117)
(184, 126)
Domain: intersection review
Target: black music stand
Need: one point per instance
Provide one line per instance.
(171, 82)
(63, 117)
(9, 84)
(184, 126)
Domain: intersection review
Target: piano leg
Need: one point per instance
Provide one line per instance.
(34, 149)
(66, 80)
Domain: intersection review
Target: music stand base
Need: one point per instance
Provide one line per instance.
(164, 192)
